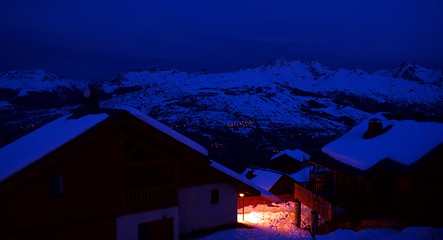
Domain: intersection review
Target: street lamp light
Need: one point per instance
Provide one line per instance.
(242, 195)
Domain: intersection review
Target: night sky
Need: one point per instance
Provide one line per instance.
(95, 40)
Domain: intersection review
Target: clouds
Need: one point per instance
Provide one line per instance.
(218, 35)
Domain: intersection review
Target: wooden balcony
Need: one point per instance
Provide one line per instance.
(150, 197)
(327, 209)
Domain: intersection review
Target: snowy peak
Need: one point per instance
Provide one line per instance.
(279, 62)
(413, 72)
(138, 79)
(36, 81)
(255, 111)
(38, 89)
(280, 70)
(288, 86)
(28, 75)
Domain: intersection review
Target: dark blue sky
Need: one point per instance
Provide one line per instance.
(95, 40)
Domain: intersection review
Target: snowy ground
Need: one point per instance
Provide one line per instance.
(277, 222)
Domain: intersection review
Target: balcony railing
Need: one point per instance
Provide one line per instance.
(150, 197)
(325, 208)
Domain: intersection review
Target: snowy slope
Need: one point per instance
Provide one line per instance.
(36, 81)
(38, 89)
(31, 98)
(277, 222)
(419, 85)
(414, 72)
(298, 94)
(268, 108)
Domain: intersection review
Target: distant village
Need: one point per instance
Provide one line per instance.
(101, 173)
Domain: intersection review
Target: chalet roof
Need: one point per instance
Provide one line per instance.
(165, 129)
(234, 175)
(404, 141)
(295, 154)
(46, 139)
(26, 150)
(265, 179)
(303, 174)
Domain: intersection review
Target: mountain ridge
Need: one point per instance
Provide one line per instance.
(246, 116)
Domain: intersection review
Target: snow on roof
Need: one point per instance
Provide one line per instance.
(296, 154)
(302, 175)
(28, 149)
(406, 142)
(264, 178)
(233, 174)
(53, 135)
(165, 129)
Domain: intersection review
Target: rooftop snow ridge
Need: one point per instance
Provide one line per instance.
(30, 148)
(13, 158)
(264, 178)
(296, 154)
(233, 174)
(406, 142)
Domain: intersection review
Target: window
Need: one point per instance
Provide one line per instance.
(215, 196)
(55, 186)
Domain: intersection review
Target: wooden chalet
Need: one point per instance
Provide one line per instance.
(111, 174)
(391, 177)
(289, 161)
(274, 182)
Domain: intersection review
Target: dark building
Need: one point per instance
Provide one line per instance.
(289, 161)
(111, 174)
(395, 173)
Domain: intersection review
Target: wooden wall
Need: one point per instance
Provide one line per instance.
(97, 171)
(86, 167)
(427, 191)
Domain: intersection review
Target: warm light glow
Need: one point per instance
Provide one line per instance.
(250, 218)
(241, 194)
(279, 216)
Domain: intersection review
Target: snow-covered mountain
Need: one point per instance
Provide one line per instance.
(249, 114)
(295, 94)
(37, 88)
(414, 72)
(280, 105)
(30, 98)
(404, 84)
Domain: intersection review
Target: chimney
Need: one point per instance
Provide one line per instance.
(375, 128)
(250, 174)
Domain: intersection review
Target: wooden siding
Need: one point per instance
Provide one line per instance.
(427, 191)
(150, 198)
(325, 208)
(92, 167)
(284, 185)
(96, 189)
(286, 164)
(87, 168)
